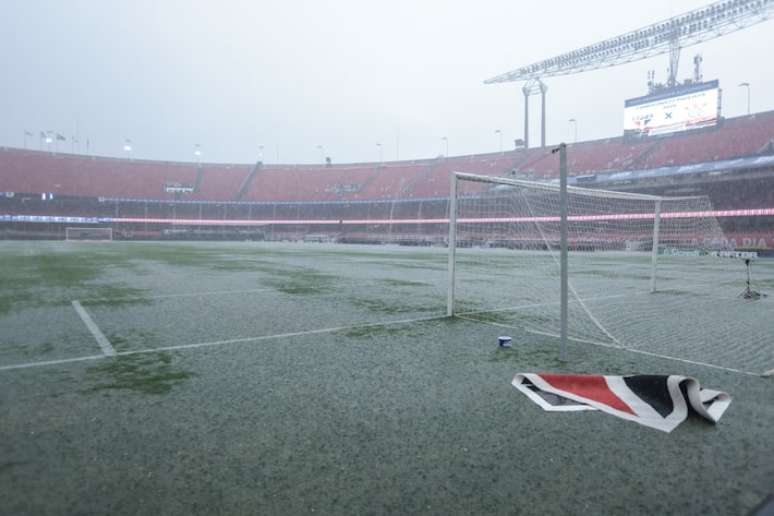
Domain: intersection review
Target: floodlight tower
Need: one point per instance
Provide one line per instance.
(533, 86)
(668, 36)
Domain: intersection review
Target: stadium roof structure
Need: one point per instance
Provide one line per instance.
(667, 36)
(690, 28)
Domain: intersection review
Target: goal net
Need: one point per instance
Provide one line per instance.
(89, 234)
(641, 272)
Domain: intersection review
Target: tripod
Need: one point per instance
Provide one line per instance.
(748, 292)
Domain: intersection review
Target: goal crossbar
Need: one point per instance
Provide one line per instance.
(576, 190)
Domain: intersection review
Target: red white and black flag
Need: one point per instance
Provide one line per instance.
(657, 401)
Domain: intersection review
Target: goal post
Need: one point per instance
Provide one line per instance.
(563, 251)
(654, 249)
(554, 253)
(452, 244)
(81, 234)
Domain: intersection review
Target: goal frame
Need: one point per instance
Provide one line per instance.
(564, 190)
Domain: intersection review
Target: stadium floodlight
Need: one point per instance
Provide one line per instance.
(575, 129)
(499, 132)
(667, 36)
(127, 147)
(260, 153)
(381, 156)
(322, 153)
(198, 152)
(446, 140)
(746, 85)
(49, 137)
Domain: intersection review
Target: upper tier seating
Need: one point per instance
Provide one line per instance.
(736, 137)
(26, 171)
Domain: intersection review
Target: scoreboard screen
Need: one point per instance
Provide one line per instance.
(688, 107)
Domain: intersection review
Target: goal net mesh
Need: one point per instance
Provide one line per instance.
(508, 268)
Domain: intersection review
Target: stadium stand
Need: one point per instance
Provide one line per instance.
(64, 174)
(304, 183)
(147, 194)
(736, 137)
(220, 182)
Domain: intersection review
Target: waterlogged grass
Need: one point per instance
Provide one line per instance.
(525, 354)
(11, 299)
(677, 292)
(176, 255)
(302, 281)
(372, 254)
(768, 283)
(145, 373)
(533, 354)
(392, 282)
(492, 317)
(28, 350)
(383, 330)
(116, 295)
(392, 307)
(419, 265)
(54, 278)
(134, 339)
(615, 274)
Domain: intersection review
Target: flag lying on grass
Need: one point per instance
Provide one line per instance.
(658, 401)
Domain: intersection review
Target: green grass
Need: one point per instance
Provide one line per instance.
(392, 307)
(145, 373)
(116, 295)
(48, 279)
(677, 292)
(490, 317)
(383, 330)
(30, 350)
(392, 282)
(301, 281)
(134, 338)
(400, 418)
(416, 266)
(615, 274)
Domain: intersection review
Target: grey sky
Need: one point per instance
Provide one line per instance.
(289, 75)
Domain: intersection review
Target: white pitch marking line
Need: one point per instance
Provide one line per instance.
(104, 343)
(51, 362)
(222, 342)
(282, 335)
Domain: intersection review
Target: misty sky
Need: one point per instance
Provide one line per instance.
(346, 74)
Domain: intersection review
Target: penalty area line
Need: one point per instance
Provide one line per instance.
(282, 335)
(51, 362)
(104, 343)
(219, 342)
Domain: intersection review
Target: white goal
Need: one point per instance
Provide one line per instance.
(88, 234)
(640, 271)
